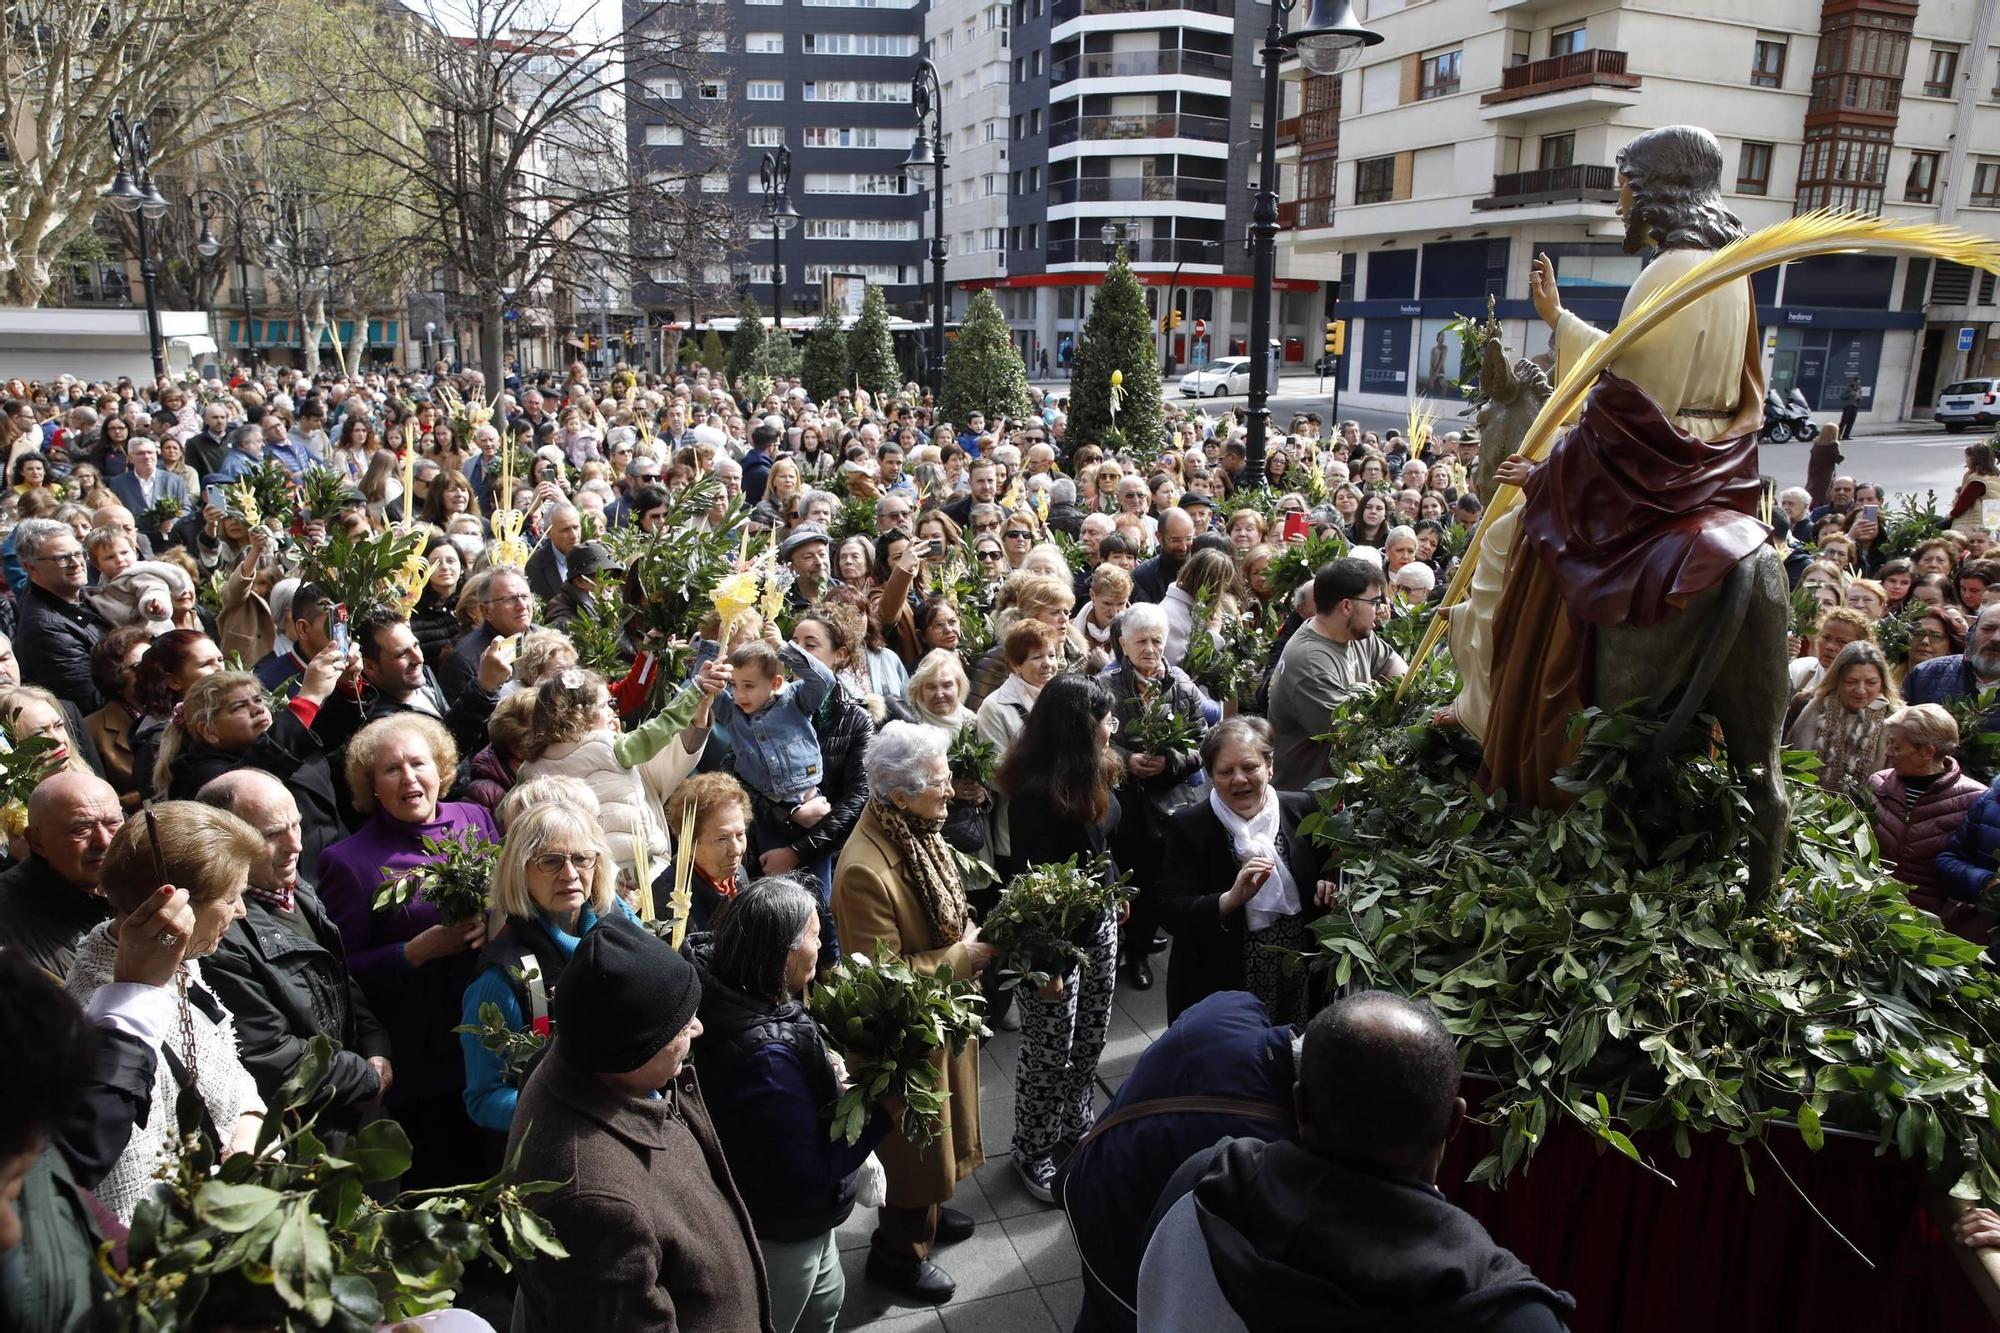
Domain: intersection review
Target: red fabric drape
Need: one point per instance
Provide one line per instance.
(1640, 1255)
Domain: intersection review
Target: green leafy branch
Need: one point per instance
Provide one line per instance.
(890, 1021)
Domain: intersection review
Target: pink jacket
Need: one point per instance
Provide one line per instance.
(1910, 842)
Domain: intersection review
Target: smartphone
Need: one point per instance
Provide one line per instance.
(934, 548)
(1871, 513)
(217, 498)
(336, 628)
(1297, 526)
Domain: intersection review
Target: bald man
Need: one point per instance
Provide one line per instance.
(281, 969)
(548, 567)
(51, 898)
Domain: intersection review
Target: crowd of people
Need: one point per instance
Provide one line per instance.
(237, 766)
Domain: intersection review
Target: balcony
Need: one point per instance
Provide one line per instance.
(1064, 10)
(1211, 129)
(1159, 250)
(1577, 183)
(1131, 189)
(1578, 69)
(1140, 65)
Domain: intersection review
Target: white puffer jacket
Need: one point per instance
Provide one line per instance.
(632, 801)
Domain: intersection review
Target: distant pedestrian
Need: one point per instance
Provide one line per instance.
(1850, 407)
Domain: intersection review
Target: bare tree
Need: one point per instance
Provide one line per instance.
(507, 118)
(196, 72)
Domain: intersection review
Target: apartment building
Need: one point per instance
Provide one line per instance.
(827, 79)
(1481, 133)
(1119, 123)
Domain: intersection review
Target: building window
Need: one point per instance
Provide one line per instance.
(850, 136)
(664, 136)
(1568, 41)
(1843, 166)
(1767, 61)
(1986, 185)
(1437, 76)
(856, 90)
(1921, 183)
(715, 182)
(764, 43)
(1034, 180)
(664, 89)
(764, 136)
(714, 90)
(1557, 151)
(1035, 122)
(1859, 66)
(1375, 180)
(1753, 169)
(859, 44)
(1943, 72)
(764, 90)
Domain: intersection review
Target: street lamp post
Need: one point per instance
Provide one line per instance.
(254, 217)
(778, 210)
(927, 154)
(133, 190)
(1330, 42)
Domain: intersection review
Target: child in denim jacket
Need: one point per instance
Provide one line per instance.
(769, 723)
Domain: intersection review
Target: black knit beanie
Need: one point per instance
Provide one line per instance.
(623, 997)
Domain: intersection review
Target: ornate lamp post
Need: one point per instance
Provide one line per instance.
(133, 190)
(778, 210)
(1331, 41)
(927, 154)
(254, 217)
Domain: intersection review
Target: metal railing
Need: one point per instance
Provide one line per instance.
(1212, 129)
(1139, 64)
(1579, 181)
(1578, 69)
(1126, 189)
(1157, 250)
(1063, 10)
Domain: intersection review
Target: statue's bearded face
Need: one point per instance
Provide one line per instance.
(1637, 237)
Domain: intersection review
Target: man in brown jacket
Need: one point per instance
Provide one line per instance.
(658, 1238)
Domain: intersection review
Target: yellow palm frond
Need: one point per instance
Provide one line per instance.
(1803, 237)
(1422, 415)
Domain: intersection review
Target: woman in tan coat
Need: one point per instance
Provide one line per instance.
(898, 883)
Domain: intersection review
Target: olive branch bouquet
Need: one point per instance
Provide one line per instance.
(1038, 927)
(888, 1019)
(455, 883)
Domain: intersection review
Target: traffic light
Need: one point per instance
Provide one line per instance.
(1336, 337)
(1177, 319)
(1170, 322)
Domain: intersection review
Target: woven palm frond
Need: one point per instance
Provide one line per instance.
(1804, 237)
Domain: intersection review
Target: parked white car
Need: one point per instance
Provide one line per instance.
(1969, 403)
(1226, 377)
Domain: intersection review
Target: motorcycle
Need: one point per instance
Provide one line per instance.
(1786, 418)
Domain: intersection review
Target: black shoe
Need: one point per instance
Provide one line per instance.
(918, 1280)
(953, 1226)
(1140, 974)
(1160, 942)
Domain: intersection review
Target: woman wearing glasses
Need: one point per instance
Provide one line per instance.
(554, 881)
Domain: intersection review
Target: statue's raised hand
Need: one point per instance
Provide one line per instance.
(1542, 289)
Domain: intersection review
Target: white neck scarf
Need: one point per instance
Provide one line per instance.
(1258, 836)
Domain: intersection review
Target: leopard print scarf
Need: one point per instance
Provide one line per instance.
(928, 868)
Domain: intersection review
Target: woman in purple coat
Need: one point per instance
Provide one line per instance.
(413, 967)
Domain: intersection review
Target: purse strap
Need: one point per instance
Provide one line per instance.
(1246, 1107)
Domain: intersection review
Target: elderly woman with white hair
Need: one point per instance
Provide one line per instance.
(1155, 785)
(937, 699)
(897, 884)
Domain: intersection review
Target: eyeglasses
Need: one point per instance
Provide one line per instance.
(1018, 536)
(519, 598)
(989, 554)
(1379, 599)
(1928, 636)
(1111, 723)
(552, 863)
(64, 558)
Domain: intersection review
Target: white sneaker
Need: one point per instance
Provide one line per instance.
(1038, 1176)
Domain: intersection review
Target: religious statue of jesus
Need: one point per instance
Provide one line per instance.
(1649, 500)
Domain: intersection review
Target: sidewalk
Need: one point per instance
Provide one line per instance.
(1019, 1273)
